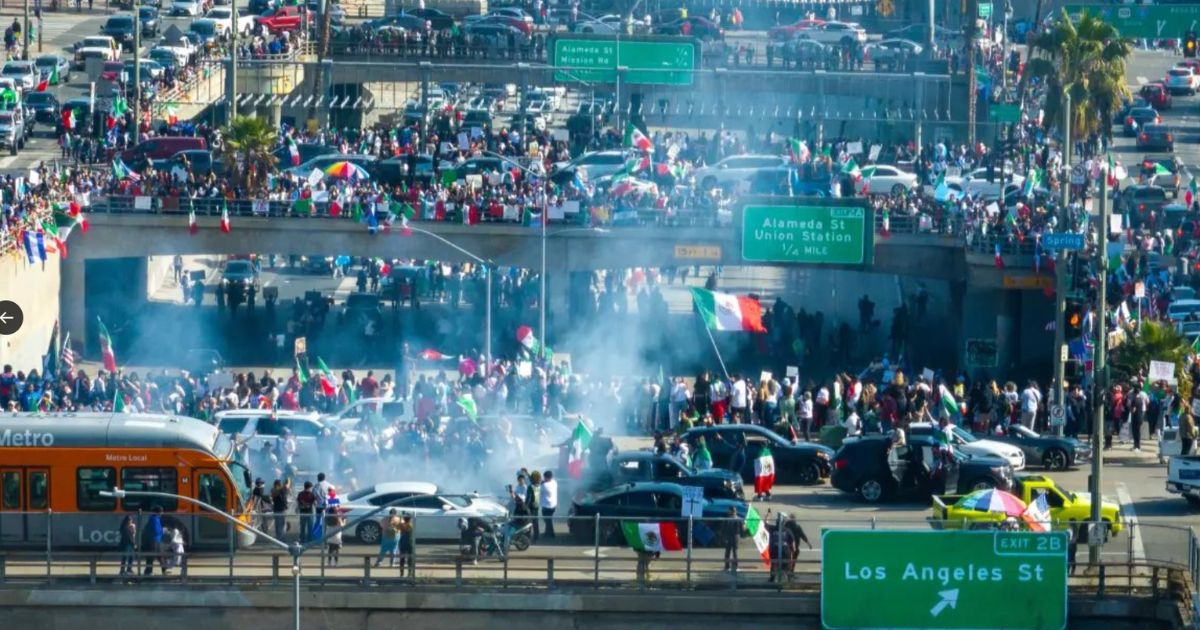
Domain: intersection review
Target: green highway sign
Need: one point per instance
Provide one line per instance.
(966, 580)
(1005, 112)
(595, 59)
(1149, 21)
(985, 10)
(817, 231)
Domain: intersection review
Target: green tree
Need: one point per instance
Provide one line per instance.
(1086, 60)
(249, 141)
(1152, 342)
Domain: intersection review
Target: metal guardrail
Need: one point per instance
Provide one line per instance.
(597, 558)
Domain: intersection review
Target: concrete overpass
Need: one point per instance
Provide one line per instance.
(1006, 306)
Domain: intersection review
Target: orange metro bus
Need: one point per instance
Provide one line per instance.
(53, 468)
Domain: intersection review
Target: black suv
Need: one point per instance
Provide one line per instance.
(633, 466)
(802, 463)
(1138, 202)
(120, 28)
(877, 469)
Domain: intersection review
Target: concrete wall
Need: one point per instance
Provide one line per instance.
(158, 269)
(334, 608)
(35, 289)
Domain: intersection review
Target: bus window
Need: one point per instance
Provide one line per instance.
(10, 490)
(149, 480)
(39, 489)
(90, 481)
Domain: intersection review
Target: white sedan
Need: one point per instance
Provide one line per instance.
(435, 513)
(971, 445)
(886, 180)
(185, 7)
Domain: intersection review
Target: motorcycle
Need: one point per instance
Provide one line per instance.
(499, 535)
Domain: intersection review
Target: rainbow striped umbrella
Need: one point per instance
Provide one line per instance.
(992, 501)
(346, 170)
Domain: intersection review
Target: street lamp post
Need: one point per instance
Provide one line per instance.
(295, 550)
(488, 266)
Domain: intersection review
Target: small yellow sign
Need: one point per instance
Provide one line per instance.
(1028, 282)
(698, 252)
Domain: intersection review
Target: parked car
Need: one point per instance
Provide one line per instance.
(54, 68)
(189, 8)
(787, 31)
(439, 20)
(315, 441)
(1183, 478)
(877, 469)
(23, 73)
(207, 31)
(884, 179)
(650, 500)
(198, 161)
(1156, 137)
(13, 131)
(44, 107)
(702, 29)
(160, 148)
(307, 151)
(149, 18)
(611, 23)
(595, 164)
(636, 466)
(120, 28)
(223, 16)
(1057, 453)
(435, 512)
(889, 51)
(803, 463)
(964, 441)
(837, 33)
(1180, 310)
(736, 168)
(282, 19)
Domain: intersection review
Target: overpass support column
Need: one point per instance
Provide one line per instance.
(558, 301)
(71, 298)
(991, 318)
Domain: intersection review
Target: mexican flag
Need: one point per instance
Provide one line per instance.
(949, 404)
(301, 372)
(193, 227)
(328, 382)
(106, 348)
(467, 404)
(725, 311)
(527, 340)
(225, 227)
(636, 139)
(1190, 196)
(1159, 169)
(580, 438)
(294, 151)
(851, 169)
(172, 115)
(764, 472)
(758, 531)
(651, 537)
(432, 355)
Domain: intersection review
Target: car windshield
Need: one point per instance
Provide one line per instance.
(39, 98)
(47, 62)
(358, 495)
(204, 28)
(1025, 431)
(458, 501)
(238, 267)
(967, 438)
(97, 42)
(119, 23)
(6, 118)
(14, 70)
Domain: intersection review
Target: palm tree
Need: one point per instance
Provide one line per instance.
(1153, 341)
(1085, 59)
(249, 141)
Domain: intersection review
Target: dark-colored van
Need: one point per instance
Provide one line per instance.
(162, 148)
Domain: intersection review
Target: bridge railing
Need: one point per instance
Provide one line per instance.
(589, 551)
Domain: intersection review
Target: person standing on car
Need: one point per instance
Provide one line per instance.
(549, 501)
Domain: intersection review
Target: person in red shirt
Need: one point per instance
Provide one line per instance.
(369, 387)
(288, 400)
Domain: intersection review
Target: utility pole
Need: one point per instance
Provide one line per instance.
(137, 68)
(972, 82)
(1100, 378)
(1060, 272)
(322, 52)
(233, 61)
(25, 34)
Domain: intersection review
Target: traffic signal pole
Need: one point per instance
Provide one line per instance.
(1100, 378)
(1060, 275)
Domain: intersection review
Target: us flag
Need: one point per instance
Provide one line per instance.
(68, 357)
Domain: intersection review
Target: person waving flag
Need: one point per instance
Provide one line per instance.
(764, 474)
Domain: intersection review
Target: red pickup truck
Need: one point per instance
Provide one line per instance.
(283, 19)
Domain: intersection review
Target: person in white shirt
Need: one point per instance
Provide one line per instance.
(740, 399)
(1031, 397)
(804, 411)
(679, 397)
(853, 424)
(549, 502)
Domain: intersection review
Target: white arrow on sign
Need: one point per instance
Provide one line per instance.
(4, 317)
(949, 598)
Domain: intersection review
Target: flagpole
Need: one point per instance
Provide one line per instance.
(717, 350)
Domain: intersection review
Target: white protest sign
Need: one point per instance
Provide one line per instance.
(1116, 223)
(875, 150)
(220, 380)
(525, 369)
(765, 376)
(993, 208)
(141, 202)
(793, 372)
(1162, 371)
(927, 374)
(854, 148)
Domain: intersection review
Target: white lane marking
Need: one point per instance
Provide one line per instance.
(592, 553)
(6, 162)
(1127, 511)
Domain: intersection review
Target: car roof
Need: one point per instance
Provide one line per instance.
(416, 487)
(266, 413)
